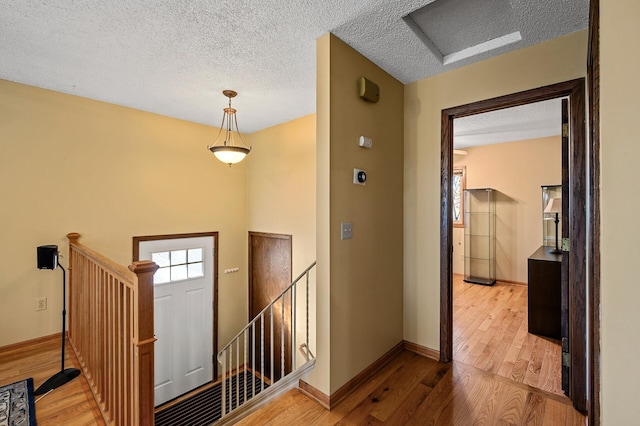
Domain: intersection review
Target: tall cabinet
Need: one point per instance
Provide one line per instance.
(480, 236)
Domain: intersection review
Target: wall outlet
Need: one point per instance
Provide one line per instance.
(41, 304)
(346, 231)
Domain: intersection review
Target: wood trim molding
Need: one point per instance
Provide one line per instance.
(593, 79)
(330, 402)
(499, 280)
(271, 235)
(313, 393)
(137, 240)
(578, 273)
(19, 347)
(422, 350)
(575, 90)
(364, 375)
(511, 282)
(446, 238)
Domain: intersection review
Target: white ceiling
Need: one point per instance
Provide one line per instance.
(174, 57)
(537, 120)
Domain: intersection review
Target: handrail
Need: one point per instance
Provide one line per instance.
(104, 262)
(111, 332)
(261, 354)
(269, 305)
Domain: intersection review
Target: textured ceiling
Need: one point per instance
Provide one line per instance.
(472, 22)
(175, 57)
(537, 120)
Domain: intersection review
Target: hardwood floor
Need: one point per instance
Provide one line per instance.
(414, 390)
(500, 375)
(490, 333)
(70, 404)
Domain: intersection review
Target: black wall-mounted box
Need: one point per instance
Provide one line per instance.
(47, 257)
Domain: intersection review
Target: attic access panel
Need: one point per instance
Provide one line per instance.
(457, 29)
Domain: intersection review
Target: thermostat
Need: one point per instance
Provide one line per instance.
(359, 176)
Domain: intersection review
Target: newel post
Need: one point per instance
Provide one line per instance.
(143, 340)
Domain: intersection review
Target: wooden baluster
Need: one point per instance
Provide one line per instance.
(73, 238)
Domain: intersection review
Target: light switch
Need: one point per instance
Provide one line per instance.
(346, 231)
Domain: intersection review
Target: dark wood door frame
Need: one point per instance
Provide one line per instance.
(575, 90)
(216, 243)
(593, 78)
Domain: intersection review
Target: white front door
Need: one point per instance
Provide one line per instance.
(183, 313)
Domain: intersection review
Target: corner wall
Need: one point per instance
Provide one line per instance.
(551, 62)
(70, 164)
(360, 279)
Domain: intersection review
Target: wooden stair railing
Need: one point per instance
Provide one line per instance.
(111, 332)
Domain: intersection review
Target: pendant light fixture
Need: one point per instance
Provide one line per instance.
(227, 151)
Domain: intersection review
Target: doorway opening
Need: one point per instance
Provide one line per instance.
(574, 268)
(185, 310)
(506, 163)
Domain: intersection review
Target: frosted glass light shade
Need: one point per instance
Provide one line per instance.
(229, 154)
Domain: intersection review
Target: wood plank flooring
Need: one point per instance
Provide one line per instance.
(70, 404)
(414, 390)
(500, 375)
(490, 333)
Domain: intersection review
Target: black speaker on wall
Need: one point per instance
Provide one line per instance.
(47, 257)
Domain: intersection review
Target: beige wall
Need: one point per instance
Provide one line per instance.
(620, 92)
(361, 277)
(71, 164)
(543, 64)
(516, 170)
(281, 175)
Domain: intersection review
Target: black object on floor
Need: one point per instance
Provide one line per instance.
(205, 407)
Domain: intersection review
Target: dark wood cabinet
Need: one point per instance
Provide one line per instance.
(544, 270)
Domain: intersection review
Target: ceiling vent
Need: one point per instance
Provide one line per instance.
(458, 29)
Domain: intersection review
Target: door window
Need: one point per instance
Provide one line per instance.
(178, 265)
